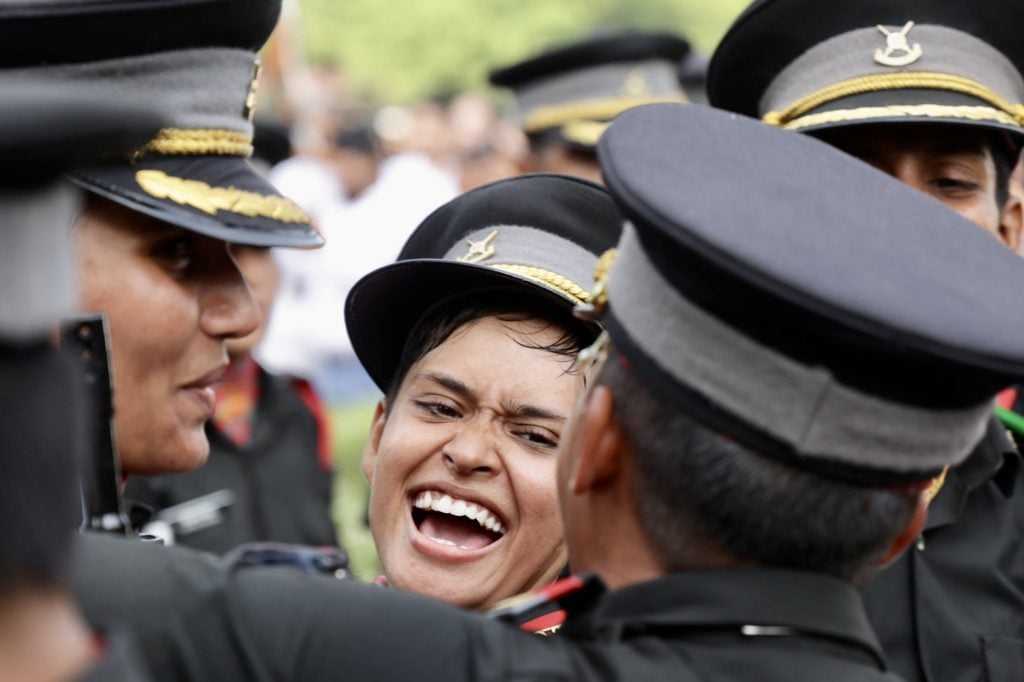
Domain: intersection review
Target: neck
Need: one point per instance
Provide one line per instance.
(43, 638)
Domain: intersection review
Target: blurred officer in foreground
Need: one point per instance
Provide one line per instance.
(43, 131)
(153, 239)
(749, 450)
(471, 337)
(931, 92)
(566, 97)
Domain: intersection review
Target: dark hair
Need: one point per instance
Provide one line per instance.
(1005, 154)
(41, 432)
(509, 304)
(695, 486)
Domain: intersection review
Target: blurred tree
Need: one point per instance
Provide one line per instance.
(403, 50)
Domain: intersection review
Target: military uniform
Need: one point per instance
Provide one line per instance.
(935, 622)
(280, 479)
(952, 609)
(278, 624)
(200, 620)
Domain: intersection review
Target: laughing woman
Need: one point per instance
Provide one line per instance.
(471, 337)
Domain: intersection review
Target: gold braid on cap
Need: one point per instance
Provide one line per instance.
(1002, 111)
(200, 142)
(597, 300)
(552, 280)
(556, 115)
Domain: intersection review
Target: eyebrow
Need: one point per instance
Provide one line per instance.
(450, 383)
(453, 384)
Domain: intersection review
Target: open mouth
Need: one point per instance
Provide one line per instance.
(453, 522)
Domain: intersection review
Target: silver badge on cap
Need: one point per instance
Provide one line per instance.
(481, 250)
(898, 50)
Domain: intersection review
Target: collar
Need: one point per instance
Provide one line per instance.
(993, 458)
(751, 601)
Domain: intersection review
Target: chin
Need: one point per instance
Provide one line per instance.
(176, 455)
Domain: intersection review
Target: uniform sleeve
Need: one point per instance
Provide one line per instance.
(315, 630)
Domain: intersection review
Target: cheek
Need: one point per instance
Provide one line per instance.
(536, 489)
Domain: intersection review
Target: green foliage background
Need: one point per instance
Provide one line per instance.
(404, 50)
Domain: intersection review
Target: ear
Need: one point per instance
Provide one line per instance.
(1011, 223)
(369, 455)
(599, 443)
(909, 534)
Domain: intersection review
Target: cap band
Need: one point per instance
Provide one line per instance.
(599, 110)
(36, 272)
(204, 94)
(600, 92)
(863, 61)
(800, 406)
(555, 263)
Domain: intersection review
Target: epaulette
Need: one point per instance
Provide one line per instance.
(544, 611)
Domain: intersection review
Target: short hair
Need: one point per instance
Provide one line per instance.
(695, 485)
(1005, 154)
(508, 304)
(42, 434)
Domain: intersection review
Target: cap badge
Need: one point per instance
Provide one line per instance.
(898, 50)
(636, 84)
(250, 99)
(481, 250)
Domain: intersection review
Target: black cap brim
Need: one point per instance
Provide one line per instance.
(384, 306)
(255, 227)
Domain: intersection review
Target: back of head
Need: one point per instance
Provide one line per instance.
(781, 407)
(696, 488)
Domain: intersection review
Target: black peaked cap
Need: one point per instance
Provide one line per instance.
(45, 131)
(73, 31)
(624, 47)
(819, 258)
(546, 233)
(770, 34)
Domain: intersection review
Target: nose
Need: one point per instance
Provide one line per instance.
(472, 450)
(228, 308)
(906, 170)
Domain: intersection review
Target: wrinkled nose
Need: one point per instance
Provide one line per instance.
(471, 451)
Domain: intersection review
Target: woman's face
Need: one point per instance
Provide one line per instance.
(172, 299)
(463, 503)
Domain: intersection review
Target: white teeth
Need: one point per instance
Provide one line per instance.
(445, 504)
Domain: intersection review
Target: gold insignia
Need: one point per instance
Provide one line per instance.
(636, 84)
(199, 195)
(250, 99)
(898, 50)
(597, 300)
(481, 250)
(932, 491)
